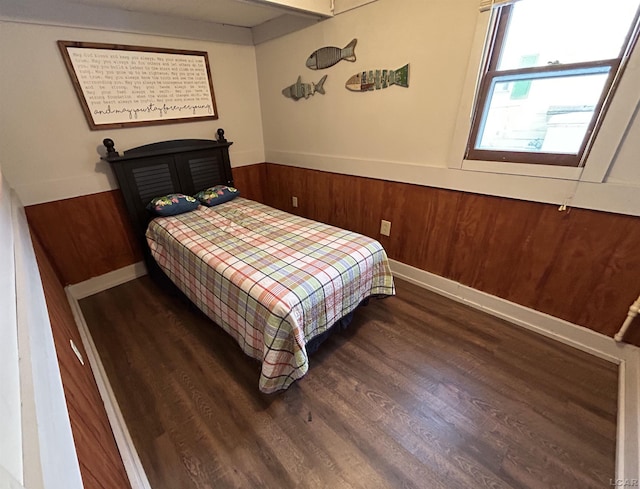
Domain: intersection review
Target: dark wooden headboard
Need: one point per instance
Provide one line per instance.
(179, 166)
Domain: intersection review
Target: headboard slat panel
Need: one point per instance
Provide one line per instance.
(153, 181)
(179, 166)
(204, 171)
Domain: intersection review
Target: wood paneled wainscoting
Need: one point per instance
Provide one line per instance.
(579, 265)
(91, 235)
(85, 236)
(100, 464)
(251, 180)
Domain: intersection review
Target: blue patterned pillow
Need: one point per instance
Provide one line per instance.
(172, 204)
(217, 195)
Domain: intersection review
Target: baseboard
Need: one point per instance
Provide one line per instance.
(571, 334)
(131, 460)
(108, 280)
(626, 356)
(628, 440)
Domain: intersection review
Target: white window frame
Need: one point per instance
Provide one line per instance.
(623, 106)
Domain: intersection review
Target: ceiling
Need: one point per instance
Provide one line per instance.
(241, 13)
(229, 21)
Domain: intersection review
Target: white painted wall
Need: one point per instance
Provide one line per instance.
(10, 412)
(413, 135)
(626, 169)
(48, 151)
(36, 443)
(417, 135)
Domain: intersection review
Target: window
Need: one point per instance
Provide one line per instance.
(550, 70)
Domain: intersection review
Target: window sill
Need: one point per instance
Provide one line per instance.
(523, 169)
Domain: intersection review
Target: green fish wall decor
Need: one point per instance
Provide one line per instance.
(378, 79)
(330, 55)
(299, 89)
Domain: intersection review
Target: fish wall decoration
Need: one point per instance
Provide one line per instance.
(300, 89)
(378, 79)
(328, 56)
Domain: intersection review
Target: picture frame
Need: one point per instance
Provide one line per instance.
(124, 86)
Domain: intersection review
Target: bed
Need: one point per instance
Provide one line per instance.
(276, 282)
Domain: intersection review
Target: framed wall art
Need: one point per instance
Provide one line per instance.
(122, 86)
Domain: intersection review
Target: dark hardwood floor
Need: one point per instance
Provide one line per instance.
(419, 392)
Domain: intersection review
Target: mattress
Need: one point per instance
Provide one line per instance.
(271, 279)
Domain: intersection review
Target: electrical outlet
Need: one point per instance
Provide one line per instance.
(294, 201)
(385, 228)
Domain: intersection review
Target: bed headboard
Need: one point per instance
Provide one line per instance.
(179, 166)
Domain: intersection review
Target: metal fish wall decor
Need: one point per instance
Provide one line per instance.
(299, 89)
(375, 80)
(330, 55)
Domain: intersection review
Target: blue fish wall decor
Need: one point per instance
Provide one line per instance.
(299, 89)
(378, 79)
(330, 55)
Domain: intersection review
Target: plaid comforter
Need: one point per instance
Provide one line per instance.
(272, 280)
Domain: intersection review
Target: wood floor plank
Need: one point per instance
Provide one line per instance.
(418, 392)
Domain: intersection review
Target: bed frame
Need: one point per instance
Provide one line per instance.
(178, 166)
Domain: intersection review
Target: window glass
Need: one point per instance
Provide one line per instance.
(549, 78)
(547, 115)
(543, 32)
